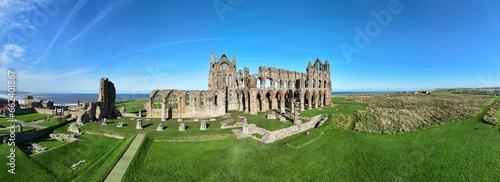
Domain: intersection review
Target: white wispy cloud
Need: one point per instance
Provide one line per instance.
(10, 52)
(76, 9)
(12, 14)
(165, 44)
(74, 80)
(96, 20)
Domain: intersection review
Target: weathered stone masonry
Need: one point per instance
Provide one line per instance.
(231, 89)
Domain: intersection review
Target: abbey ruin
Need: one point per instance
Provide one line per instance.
(232, 89)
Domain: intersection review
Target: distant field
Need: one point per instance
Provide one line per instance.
(31, 117)
(49, 123)
(133, 106)
(401, 113)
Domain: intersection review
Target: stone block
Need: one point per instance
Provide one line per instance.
(160, 127)
(203, 125)
(139, 124)
(182, 127)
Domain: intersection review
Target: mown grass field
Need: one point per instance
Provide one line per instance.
(133, 106)
(171, 126)
(7, 131)
(465, 150)
(49, 123)
(31, 117)
(461, 151)
(100, 152)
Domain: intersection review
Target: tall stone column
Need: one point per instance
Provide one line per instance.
(321, 104)
(316, 102)
(282, 106)
(253, 106)
(301, 103)
(163, 111)
(247, 104)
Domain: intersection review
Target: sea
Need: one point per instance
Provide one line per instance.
(71, 99)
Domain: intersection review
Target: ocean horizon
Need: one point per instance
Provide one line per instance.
(68, 99)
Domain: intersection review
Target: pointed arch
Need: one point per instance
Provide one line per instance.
(188, 98)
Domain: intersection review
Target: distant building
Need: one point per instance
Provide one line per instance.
(30, 102)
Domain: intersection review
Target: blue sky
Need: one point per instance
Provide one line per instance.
(67, 46)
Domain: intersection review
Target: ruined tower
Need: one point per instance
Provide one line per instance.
(222, 73)
(106, 102)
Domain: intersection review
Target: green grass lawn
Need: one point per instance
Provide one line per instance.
(100, 152)
(2, 132)
(467, 150)
(26, 168)
(31, 117)
(92, 148)
(44, 141)
(4, 122)
(49, 123)
(341, 107)
(461, 151)
(133, 106)
(261, 121)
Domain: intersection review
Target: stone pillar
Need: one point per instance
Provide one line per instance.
(301, 103)
(247, 104)
(163, 111)
(282, 106)
(139, 124)
(182, 127)
(292, 104)
(316, 102)
(160, 127)
(296, 119)
(203, 125)
(275, 103)
(321, 104)
(253, 106)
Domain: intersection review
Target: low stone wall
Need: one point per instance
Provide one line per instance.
(45, 111)
(51, 112)
(24, 111)
(132, 115)
(27, 135)
(271, 136)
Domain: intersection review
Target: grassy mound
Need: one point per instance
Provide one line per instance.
(400, 113)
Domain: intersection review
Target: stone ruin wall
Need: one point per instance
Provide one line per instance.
(272, 136)
(167, 104)
(229, 89)
(104, 107)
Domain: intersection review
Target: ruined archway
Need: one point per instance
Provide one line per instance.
(259, 102)
(269, 100)
(307, 101)
(202, 98)
(188, 99)
(158, 101)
